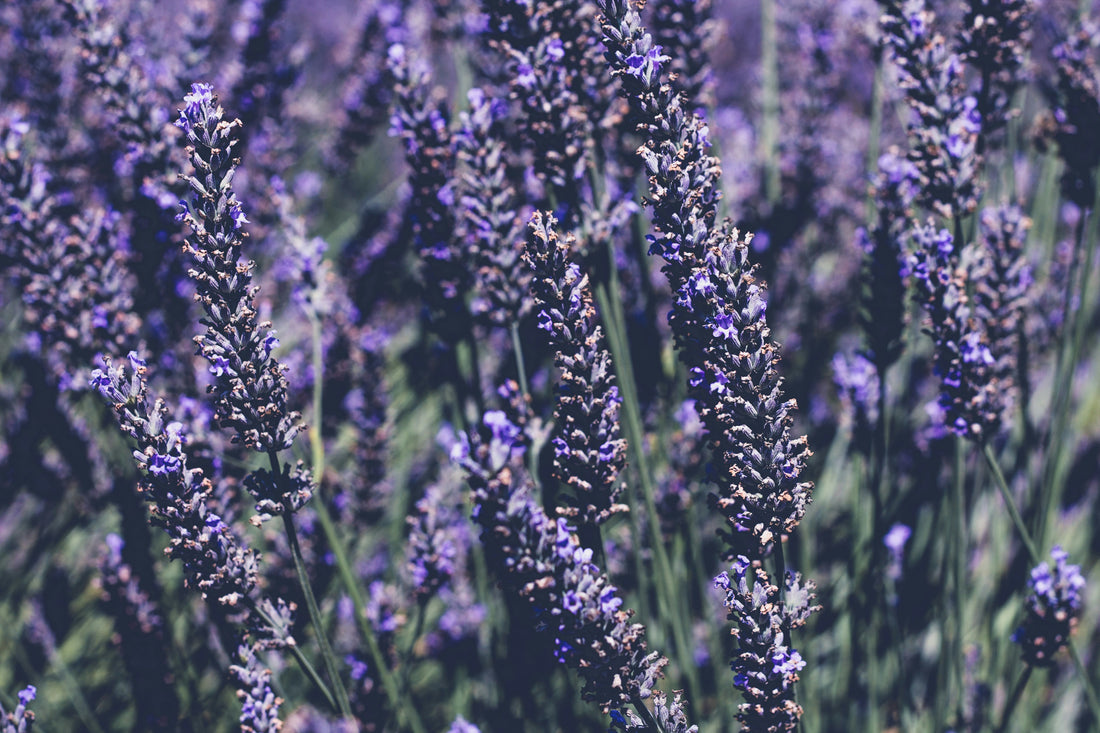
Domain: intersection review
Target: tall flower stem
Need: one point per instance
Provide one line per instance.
(769, 93)
(1017, 693)
(1033, 555)
(396, 700)
(517, 348)
(667, 597)
(327, 655)
(961, 549)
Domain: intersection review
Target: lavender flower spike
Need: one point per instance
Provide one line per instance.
(765, 666)
(1052, 609)
(588, 450)
(718, 316)
(20, 720)
(250, 388)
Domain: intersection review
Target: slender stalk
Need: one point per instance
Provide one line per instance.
(647, 715)
(961, 549)
(769, 94)
(409, 714)
(327, 655)
(667, 596)
(517, 348)
(1017, 693)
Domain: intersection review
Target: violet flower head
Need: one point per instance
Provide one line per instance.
(671, 716)
(543, 562)
(994, 39)
(973, 375)
(491, 221)
(882, 306)
(422, 120)
(719, 312)
(250, 387)
(21, 719)
(589, 452)
(895, 541)
(461, 725)
(947, 120)
(1075, 114)
(684, 30)
(259, 704)
(857, 383)
(765, 666)
(215, 560)
(439, 537)
(1052, 609)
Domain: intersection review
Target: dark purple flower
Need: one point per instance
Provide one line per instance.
(1052, 609)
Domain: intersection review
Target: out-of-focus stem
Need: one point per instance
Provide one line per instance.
(769, 97)
(343, 566)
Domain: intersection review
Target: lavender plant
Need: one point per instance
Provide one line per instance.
(383, 285)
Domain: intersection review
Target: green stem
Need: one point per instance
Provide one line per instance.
(517, 347)
(960, 570)
(667, 597)
(327, 655)
(1017, 693)
(769, 96)
(343, 565)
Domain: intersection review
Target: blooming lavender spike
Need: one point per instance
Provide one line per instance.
(1052, 609)
(718, 317)
(994, 39)
(491, 220)
(461, 725)
(259, 704)
(1075, 114)
(250, 387)
(588, 450)
(765, 666)
(542, 561)
(421, 119)
(971, 398)
(21, 719)
(944, 134)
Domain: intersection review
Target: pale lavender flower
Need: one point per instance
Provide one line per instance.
(21, 719)
(895, 541)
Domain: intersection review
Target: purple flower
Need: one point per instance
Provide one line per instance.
(1052, 609)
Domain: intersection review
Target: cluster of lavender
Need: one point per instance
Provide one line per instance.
(766, 666)
(543, 561)
(589, 453)
(1053, 607)
(20, 720)
(718, 321)
(249, 384)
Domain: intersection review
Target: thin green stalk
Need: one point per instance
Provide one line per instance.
(327, 655)
(517, 348)
(409, 713)
(1017, 693)
(667, 597)
(961, 549)
(647, 716)
(769, 96)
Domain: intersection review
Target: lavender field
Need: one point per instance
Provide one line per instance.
(477, 366)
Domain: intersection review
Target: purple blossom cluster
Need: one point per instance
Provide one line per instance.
(766, 666)
(589, 452)
(543, 561)
(497, 236)
(21, 719)
(1053, 606)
